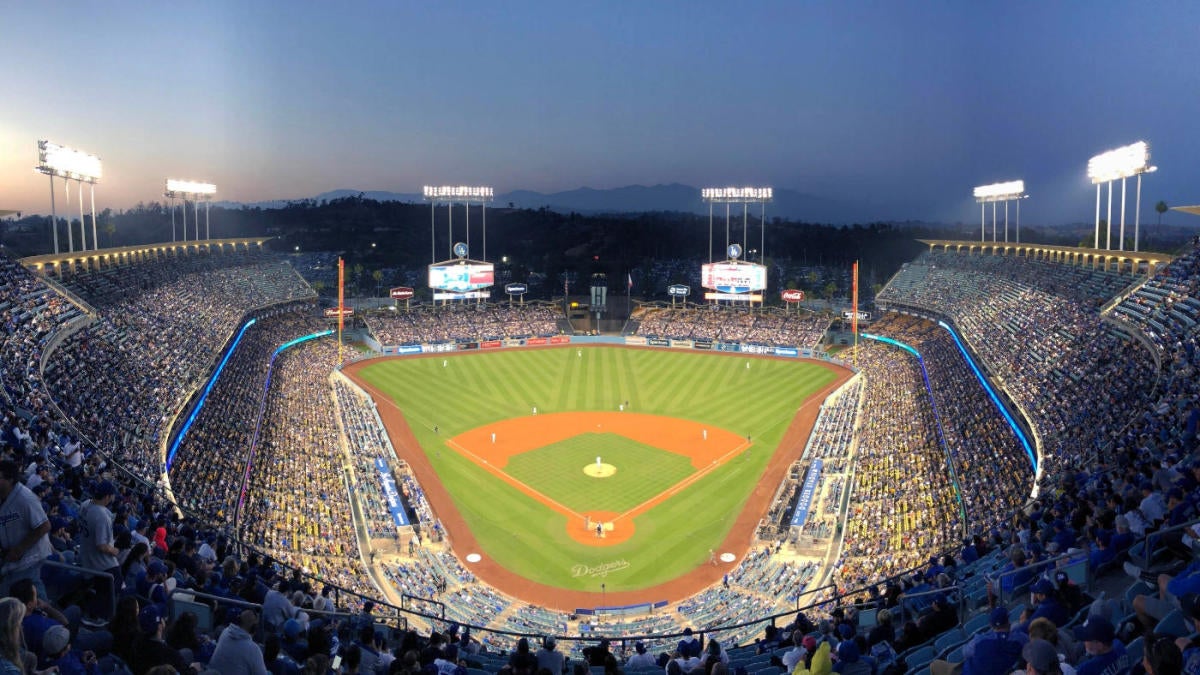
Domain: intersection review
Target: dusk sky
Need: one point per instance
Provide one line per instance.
(906, 105)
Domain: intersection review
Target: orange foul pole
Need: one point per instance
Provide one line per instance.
(341, 303)
(854, 310)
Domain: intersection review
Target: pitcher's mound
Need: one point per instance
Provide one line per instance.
(599, 470)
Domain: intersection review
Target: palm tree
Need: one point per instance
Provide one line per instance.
(1161, 207)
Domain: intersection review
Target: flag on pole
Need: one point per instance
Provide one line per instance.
(629, 280)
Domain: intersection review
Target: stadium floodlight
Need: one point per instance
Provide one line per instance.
(197, 192)
(449, 195)
(1122, 162)
(999, 192)
(737, 195)
(190, 188)
(58, 160)
(71, 165)
(459, 193)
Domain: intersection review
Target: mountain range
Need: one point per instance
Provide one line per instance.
(788, 204)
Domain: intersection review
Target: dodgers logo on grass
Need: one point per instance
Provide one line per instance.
(601, 570)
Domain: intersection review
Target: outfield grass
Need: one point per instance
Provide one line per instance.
(556, 471)
(527, 537)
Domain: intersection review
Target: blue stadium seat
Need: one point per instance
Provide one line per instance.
(976, 623)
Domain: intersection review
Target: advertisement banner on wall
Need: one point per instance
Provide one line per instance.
(787, 351)
(560, 340)
(408, 349)
(490, 344)
(390, 494)
(658, 342)
(806, 493)
(635, 340)
(702, 344)
(729, 347)
(534, 342)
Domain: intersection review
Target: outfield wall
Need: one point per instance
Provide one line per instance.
(631, 340)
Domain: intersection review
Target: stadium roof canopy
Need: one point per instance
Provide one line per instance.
(1194, 210)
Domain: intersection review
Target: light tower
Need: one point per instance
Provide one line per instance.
(71, 165)
(450, 195)
(738, 195)
(198, 192)
(993, 194)
(1123, 162)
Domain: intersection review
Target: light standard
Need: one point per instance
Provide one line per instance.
(1137, 213)
(999, 192)
(1123, 162)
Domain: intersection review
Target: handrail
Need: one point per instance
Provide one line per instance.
(1073, 557)
(1150, 535)
(905, 597)
(88, 572)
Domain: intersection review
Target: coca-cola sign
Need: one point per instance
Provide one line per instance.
(792, 295)
(402, 293)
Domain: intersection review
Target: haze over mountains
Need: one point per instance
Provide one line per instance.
(788, 204)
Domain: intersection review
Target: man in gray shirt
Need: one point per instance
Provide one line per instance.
(96, 549)
(24, 531)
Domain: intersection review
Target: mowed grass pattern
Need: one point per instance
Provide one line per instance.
(557, 472)
(462, 391)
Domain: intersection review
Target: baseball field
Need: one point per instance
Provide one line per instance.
(632, 471)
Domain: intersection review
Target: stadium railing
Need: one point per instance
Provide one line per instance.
(1076, 565)
(1143, 551)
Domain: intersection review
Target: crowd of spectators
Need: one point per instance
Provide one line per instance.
(367, 442)
(160, 330)
(209, 463)
(1036, 326)
(903, 506)
(1147, 478)
(993, 471)
(310, 528)
(463, 323)
(30, 312)
(770, 326)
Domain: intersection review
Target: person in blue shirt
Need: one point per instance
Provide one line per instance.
(1105, 653)
(995, 652)
(1046, 605)
(1102, 550)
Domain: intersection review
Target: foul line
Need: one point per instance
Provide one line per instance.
(676, 488)
(524, 487)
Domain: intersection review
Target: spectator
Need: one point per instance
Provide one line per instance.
(236, 652)
(989, 653)
(23, 530)
(150, 649)
(1042, 658)
(550, 659)
(11, 613)
(1105, 653)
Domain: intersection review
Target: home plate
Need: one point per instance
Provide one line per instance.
(725, 557)
(475, 557)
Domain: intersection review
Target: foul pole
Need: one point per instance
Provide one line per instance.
(854, 316)
(341, 303)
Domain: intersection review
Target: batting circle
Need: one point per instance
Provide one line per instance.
(599, 470)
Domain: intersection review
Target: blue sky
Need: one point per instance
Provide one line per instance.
(902, 105)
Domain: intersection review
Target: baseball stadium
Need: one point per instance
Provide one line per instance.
(1008, 423)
